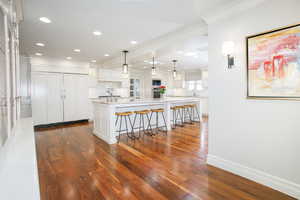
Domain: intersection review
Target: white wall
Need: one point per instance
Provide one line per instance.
(259, 139)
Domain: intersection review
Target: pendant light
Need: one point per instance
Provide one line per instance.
(125, 65)
(153, 67)
(174, 70)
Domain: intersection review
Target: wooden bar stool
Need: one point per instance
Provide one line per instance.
(124, 116)
(187, 114)
(157, 127)
(141, 114)
(193, 109)
(177, 116)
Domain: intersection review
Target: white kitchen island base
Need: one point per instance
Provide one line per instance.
(105, 118)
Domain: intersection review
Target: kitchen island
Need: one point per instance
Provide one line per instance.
(105, 118)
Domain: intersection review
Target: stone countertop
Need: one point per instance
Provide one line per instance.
(128, 101)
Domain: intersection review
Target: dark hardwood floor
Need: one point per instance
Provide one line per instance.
(74, 164)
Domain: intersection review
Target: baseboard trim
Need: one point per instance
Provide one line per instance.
(41, 126)
(271, 181)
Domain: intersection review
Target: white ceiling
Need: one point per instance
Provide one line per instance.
(190, 53)
(120, 21)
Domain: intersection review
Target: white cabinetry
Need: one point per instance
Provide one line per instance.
(47, 104)
(110, 75)
(59, 97)
(76, 97)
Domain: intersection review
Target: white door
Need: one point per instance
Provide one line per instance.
(3, 95)
(54, 98)
(83, 100)
(76, 103)
(47, 102)
(70, 105)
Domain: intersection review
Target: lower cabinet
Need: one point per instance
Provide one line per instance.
(59, 97)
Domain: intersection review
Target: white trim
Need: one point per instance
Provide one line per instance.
(258, 176)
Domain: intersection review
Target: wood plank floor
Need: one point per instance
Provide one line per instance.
(74, 164)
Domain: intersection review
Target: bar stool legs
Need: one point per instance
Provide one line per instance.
(141, 115)
(177, 116)
(124, 117)
(193, 109)
(157, 127)
(187, 114)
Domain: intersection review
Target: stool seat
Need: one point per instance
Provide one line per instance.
(123, 113)
(191, 105)
(175, 108)
(143, 112)
(157, 110)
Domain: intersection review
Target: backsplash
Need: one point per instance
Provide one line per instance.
(102, 88)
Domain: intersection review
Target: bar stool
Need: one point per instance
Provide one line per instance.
(157, 127)
(187, 114)
(125, 116)
(177, 116)
(193, 109)
(141, 114)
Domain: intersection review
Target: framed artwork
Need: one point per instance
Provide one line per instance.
(273, 64)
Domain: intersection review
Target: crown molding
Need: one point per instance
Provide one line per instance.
(231, 9)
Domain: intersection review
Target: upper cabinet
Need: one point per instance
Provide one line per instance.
(107, 75)
(110, 75)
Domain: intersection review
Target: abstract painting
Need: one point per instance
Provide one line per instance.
(273, 64)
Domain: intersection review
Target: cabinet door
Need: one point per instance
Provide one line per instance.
(54, 98)
(76, 102)
(39, 98)
(47, 104)
(82, 97)
(70, 88)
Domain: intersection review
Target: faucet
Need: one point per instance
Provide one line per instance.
(109, 91)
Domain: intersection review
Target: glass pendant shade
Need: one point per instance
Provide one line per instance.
(125, 68)
(125, 65)
(153, 70)
(174, 73)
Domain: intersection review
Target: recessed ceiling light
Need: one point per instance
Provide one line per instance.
(97, 33)
(145, 67)
(93, 61)
(40, 44)
(180, 52)
(38, 54)
(133, 42)
(69, 58)
(76, 50)
(106, 55)
(45, 20)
